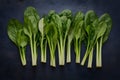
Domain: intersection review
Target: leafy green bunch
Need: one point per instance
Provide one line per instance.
(97, 32)
(59, 31)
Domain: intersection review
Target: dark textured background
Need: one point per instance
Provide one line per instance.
(10, 66)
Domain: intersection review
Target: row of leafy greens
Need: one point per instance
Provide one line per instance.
(60, 31)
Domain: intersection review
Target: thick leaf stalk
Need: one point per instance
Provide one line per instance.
(68, 51)
(22, 55)
(77, 46)
(61, 50)
(99, 52)
(90, 59)
(85, 56)
(88, 53)
(33, 45)
(52, 56)
(43, 45)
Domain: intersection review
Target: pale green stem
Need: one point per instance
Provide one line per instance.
(31, 46)
(52, 57)
(68, 51)
(22, 56)
(100, 53)
(33, 51)
(85, 56)
(97, 53)
(43, 51)
(90, 59)
(77, 50)
(61, 52)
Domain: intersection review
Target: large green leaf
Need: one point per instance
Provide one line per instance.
(65, 26)
(90, 25)
(31, 19)
(106, 18)
(13, 27)
(90, 17)
(78, 24)
(51, 32)
(65, 17)
(57, 21)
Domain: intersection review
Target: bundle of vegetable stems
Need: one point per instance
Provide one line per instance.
(59, 30)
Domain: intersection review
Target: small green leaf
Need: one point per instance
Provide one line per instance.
(66, 13)
(22, 39)
(26, 31)
(41, 26)
(101, 29)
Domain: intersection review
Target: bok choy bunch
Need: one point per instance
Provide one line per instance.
(43, 40)
(106, 18)
(51, 35)
(61, 30)
(63, 22)
(17, 36)
(94, 30)
(31, 20)
(77, 24)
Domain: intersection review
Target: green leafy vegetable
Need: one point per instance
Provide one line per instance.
(94, 29)
(75, 33)
(62, 22)
(16, 34)
(106, 18)
(60, 29)
(52, 36)
(90, 28)
(31, 19)
(78, 34)
(43, 41)
(70, 37)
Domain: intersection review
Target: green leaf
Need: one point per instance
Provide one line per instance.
(31, 19)
(101, 29)
(68, 24)
(106, 18)
(26, 31)
(90, 17)
(65, 17)
(90, 23)
(57, 21)
(41, 26)
(13, 27)
(22, 39)
(51, 32)
(51, 12)
(78, 24)
(16, 34)
(66, 13)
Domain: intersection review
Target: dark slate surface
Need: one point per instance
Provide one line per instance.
(10, 66)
